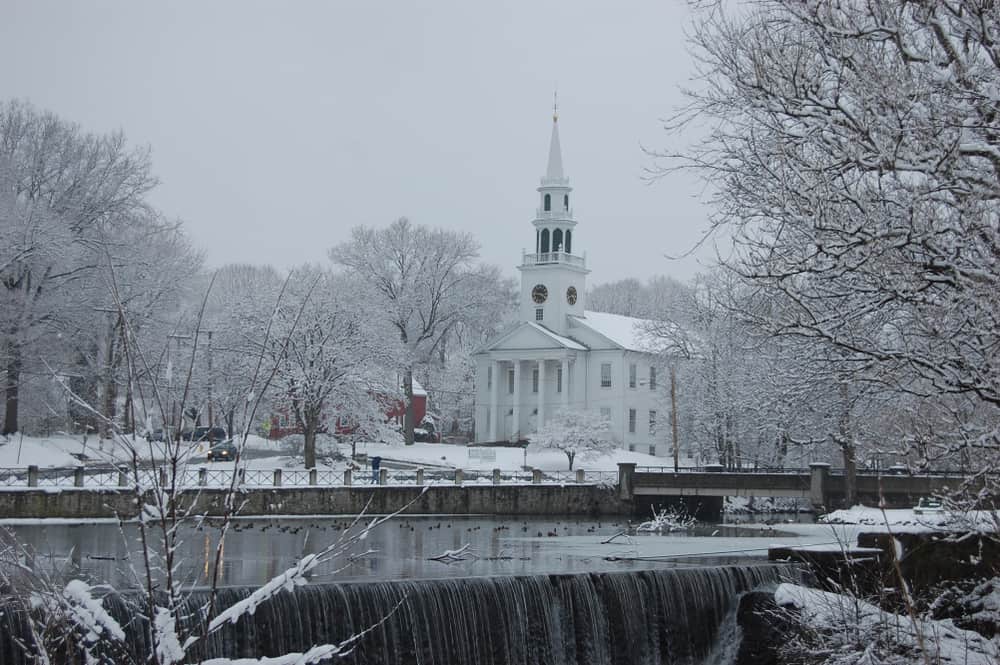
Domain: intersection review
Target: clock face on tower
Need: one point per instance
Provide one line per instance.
(539, 294)
(571, 295)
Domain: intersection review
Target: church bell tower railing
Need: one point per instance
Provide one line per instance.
(553, 214)
(553, 257)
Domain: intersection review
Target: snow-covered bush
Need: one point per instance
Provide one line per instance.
(667, 520)
(837, 629)
(575, 433)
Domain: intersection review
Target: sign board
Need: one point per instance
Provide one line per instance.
(483, 454)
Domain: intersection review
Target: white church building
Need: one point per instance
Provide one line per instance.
(561, 356)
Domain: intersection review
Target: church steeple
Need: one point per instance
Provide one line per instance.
(554, 172)
(554, 219)
(553, 278)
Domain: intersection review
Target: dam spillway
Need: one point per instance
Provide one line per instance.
(658, 616)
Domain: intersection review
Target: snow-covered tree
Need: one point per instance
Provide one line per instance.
(631, 297)
(582, 434)
(853, 148)
(426, 281)
(361, 417)
(156, 621)
(63, 193)
(237, 313)
(327, 354)
(448, 376)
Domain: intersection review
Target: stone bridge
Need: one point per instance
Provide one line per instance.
(702, 491)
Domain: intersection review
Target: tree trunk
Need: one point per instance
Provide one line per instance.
(408, 423)
(850, 475)
(110, 389)
(110, 407)
(11, 389)
(570, 456)
(129, 413)
(847, 448)
(309, 448)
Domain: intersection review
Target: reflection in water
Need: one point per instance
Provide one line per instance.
(258, 549)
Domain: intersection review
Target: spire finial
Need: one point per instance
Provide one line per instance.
(555, 106)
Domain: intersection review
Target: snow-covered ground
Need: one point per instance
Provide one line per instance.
(71, 450)
(486, 458)
(67, 451)
(909, 520)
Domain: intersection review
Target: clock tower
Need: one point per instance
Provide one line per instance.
(553, 278)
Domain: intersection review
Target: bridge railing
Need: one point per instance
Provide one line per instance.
(718, 469)
(12, 478)
(803, 471)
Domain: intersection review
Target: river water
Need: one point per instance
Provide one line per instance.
(406, 547)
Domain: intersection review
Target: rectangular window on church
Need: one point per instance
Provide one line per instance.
(652, 422)
(605, 375)
(489, 377)
(559, 380)
(606, 414)
(631, 421)
(652, 378)
(539, 314)
(652, 450)
(487, 420)
(510, 381)
(631, 375)
(534, 380)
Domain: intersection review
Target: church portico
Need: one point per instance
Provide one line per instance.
(525, 389)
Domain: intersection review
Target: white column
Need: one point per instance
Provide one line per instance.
(495, 399)
(541, 395)
(565, 385)
(516, 424)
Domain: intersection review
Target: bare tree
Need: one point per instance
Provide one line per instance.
(425, 280)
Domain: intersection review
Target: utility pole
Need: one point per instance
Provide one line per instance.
(673, 417)
(174, 422)
(211, 379)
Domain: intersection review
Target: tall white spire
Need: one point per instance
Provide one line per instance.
(554, 171)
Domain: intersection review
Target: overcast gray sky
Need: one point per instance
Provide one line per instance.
(277, 126)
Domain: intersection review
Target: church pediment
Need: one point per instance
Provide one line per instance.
(529, 336)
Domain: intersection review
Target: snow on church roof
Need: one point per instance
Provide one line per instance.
(565, 341)
(625, 331)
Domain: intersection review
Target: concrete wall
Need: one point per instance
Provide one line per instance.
(545, 500)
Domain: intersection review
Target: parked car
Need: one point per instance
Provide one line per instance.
(209, 434)
(928, 506)
(156, 435)
(222, 452)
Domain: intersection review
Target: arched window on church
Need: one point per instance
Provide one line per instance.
(538, 241)
(548, 202)
(557, 240)
(566, 202)
(545, 240)
(569, 242)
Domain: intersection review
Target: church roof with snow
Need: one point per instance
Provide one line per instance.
(627, 332)
(561, 339)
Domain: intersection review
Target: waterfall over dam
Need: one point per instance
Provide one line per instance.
(666, 616)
